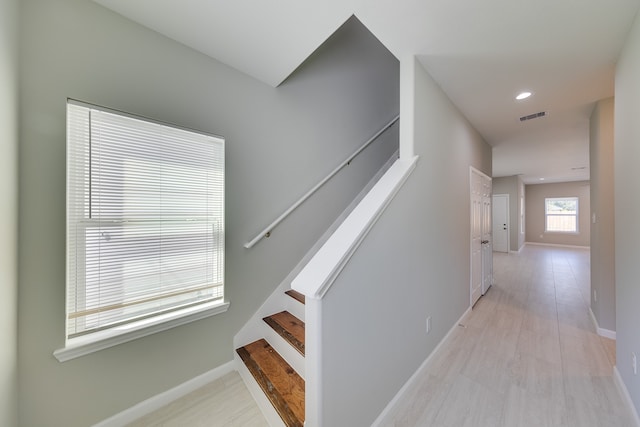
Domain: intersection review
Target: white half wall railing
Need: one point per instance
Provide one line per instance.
(266, 232)
(319, 274)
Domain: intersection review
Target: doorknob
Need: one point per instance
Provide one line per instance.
(484, 242)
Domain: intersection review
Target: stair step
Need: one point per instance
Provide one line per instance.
(279, 381)
(295, 295)
(289, 327)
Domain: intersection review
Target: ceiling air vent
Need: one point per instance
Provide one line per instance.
(533, 116)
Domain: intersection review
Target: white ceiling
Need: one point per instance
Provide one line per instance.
(482, 53)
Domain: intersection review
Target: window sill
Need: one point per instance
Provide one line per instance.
(562, 232)
(81, 346)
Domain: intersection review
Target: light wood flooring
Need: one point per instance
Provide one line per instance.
(527, 355)
(225, 402)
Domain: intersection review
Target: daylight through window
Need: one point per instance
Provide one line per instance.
(145, 220)
(561, 215)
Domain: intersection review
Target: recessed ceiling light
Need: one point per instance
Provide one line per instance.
(541, 179)
(523, 95)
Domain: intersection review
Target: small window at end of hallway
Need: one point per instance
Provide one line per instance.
(561, 215)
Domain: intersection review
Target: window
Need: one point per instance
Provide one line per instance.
(561, 215)
(145, 222)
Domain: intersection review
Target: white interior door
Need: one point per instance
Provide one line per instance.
(501, 222)
(476, 186)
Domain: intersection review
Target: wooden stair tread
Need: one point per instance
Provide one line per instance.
(289, 327)
(279, 381)
(295, 295)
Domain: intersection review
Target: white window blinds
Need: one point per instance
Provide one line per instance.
(145, 219)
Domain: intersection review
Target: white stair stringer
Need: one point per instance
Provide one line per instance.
(267, 409)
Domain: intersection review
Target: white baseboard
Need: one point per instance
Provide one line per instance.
(625, 395)
(518, 251)
(601, 331)
(158, 401)
(381, 420)
(557, 245)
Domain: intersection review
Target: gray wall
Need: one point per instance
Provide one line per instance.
(603, 230)
(279, 143)
(413, 264)
(535, 219)
(627, 209)
(8, 210)
(513, 186)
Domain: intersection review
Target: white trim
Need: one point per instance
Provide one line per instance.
(625, 395)
(318, 275)
(601, 331)
(100, 340)
(400, 396)
(158, 401)
(577, 215)
(557, 245)
(314, 363)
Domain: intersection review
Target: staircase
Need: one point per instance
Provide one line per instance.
(276, 363)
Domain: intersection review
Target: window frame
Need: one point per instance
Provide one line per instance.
(576, 215)
(143, 326)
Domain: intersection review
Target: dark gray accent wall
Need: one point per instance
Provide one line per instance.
(603, 283)
(8, 211)
(279, 143)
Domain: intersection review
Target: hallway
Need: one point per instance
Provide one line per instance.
(527, 355)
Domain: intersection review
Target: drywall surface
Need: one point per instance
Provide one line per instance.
(8, 211)
(535, 213)
(414, 263)
(603, 284)
(627, 209)
(279, 143)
